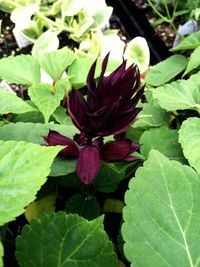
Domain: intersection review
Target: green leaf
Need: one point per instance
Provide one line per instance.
(60, 115)
(182, 94)
(194, 61)
(62, 166)
(137, 51)
(33, 132)
(58, 239)
(85, 206)
(39, 207)
(47, 42)
(23, 69)
(108, 178)
(24, 168)
(163, 140)
(102, 16)
(46, 98)
(165, 70)
(56, 62)
(10, 103)
(189, 138)
(162, 215)
(190, 42)
(78, 71)
(1, 255)
(152, 115)
(71, 7)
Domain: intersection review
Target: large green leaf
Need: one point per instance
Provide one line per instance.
(46, 98)
(182, 94)
(56, 62)
(189, 137)
(33, 132)
(166, 70)
(162, 215)
(163, 140)
(152, 115)
(1, 255)
(61, 240)
(190, 42)
(23, 170)
(10, 103)
(194, 61)
(23, 69)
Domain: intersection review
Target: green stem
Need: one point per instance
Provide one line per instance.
(157, 12)
(48, 21)
(167, 10)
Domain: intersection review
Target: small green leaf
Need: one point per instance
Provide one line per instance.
(46, 98)
(163, 140)
(78, 71)
(39, 207)
(24, 168)
(56, 62)
(60, 116)
(151, 115)
(194, 61)
(102, 16)
(166, 70)
(61, 240)
(1, 255)
(47, 42)
(113, 205)
(62, 166)
(137, 51)
(182, 94)
(190, 42)
(108, 178)
(85, 206)
(71, 7)
(33, 132)
(23, 69)
(10, 103)
(189, 137)
(162, 215)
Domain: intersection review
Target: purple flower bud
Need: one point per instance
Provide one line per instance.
(88, 164)
(54, 138)
(118, 150)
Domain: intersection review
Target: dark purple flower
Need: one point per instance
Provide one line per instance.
(108, 109)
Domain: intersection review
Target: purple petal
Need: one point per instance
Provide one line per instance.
(118, 150)
(77, 108)
(91, 84)
(88, 164)
(54, 138)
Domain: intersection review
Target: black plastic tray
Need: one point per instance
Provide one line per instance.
(135, 24)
